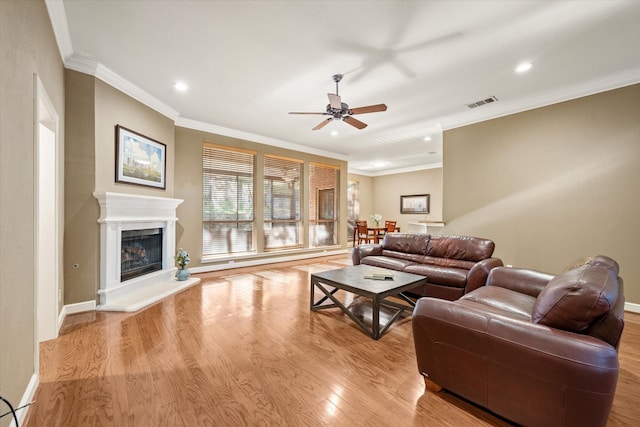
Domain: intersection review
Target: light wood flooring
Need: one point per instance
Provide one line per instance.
(242, 348)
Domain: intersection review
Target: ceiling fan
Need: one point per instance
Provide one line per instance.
(338, 110)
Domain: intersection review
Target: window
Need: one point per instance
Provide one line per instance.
(227, 200)
(282, 219)
(353, 207)
(323, 224)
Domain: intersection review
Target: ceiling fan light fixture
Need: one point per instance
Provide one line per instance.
(338, 110)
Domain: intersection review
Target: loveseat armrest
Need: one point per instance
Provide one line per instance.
(477, 275)
(522, 280)
(362, 251)
(514, 367)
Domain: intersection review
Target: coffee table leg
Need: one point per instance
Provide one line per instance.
(317, 305)
(376, 318)
(337, 303)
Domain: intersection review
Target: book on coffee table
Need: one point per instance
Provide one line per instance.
(379, 274)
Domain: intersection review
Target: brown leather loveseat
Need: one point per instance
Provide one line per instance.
(454, 265)
(537, 349)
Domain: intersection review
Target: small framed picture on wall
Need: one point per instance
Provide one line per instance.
(414, 204)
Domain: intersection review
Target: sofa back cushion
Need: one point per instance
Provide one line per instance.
(460, 247)
(406, 243)
(574, 299)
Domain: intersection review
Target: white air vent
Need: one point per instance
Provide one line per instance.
(483, 102)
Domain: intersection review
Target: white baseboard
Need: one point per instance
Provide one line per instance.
(27, 397)
(78, 307)
(633, 308)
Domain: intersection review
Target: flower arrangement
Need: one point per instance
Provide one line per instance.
(182, 258)
(376, 218)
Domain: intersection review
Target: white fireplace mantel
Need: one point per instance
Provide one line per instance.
(118, 212)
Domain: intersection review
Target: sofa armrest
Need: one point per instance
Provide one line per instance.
(512, 366)
(478, 274)
(525, 281)
(362, 251)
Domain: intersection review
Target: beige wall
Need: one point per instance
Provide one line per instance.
(553, 184)
(28, 47)
(381, 194)
(93, 110)
(188, 186)
(82, 233)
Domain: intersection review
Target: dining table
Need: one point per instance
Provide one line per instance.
(376, 232)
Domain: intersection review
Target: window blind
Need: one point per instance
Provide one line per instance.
(227, 200)
(282, 219)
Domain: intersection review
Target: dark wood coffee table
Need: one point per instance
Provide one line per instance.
(351, 279)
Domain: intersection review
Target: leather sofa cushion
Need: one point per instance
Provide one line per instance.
(574, 299)
(460, 247)
(446, 262)
(387, 262)
(448, 276)
(405, 256)
(502, 301)
(407, 243)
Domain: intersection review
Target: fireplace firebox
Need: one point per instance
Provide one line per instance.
(141, 252)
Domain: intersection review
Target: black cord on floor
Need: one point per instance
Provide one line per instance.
(12, 411)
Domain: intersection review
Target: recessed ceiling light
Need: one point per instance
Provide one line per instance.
(523, 67)
(379, 164)
(334, 133)
(181, 87)
(427, 138)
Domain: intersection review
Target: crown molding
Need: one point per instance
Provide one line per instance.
(58, 18)
(496, 110)
(120, 83)
(248, 136)
(81, 64)
(87, 66)
(426, 166)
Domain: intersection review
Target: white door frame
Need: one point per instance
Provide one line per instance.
(47, 217)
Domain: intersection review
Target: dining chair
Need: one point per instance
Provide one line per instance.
(389, 227)
(363, 233)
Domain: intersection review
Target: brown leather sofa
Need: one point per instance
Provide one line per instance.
(537, 349)
(454, 265)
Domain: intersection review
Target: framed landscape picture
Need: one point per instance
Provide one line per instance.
(140, 160)
(414, 204)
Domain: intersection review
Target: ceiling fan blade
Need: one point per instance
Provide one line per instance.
(334, 101)
(369, 109)
(297, 112)
(354, 122)
(323, 124)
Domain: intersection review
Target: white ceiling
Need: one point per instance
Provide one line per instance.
(248, 63)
